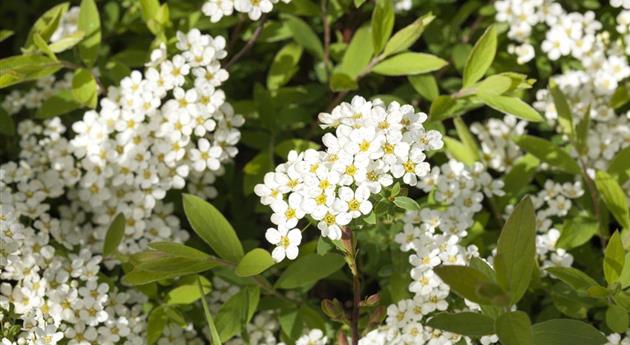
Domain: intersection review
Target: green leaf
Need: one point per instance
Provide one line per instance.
(566, 332)
(21, 68)
(213, 228)
(7, 125)
(342, 82)
(408, 35)
(358, 3)
(178, 249)
(409, 64)
(237, 312)
(175, 266)
(495, 85)
(614, 258)
(114, 235)
(89, 23)
(581, 132)
(510, 105)
(382, 24)
(43, 46)
(572, 277)
(425, 85)
(614, 198)
(624, 277)
(549, 153)
(188, 292)
(467, 138)
(67, 42)
(458, 150)
(214, 334)
(620, 97)
(514, 328)
(617, 318)
(284, 66)
(619, 166)
(47, 24)
(304, 35)
(84, 88)
(149, 9)
(467, 282)
(481, 57)
(516, 250)
(406, 203)
(57, 104)
(309, 269)
(155, 325)
(565, 118)
(358, 54)
(4, 34)
(254, 262)
(465, 323)
(577, 231)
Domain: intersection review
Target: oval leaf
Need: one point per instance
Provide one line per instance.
(254, 262)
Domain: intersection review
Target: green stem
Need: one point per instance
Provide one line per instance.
(216, 339)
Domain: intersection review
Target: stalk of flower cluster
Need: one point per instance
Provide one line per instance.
(350, 244)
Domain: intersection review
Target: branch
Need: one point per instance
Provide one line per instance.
(248, 46)
(324, 10)
(351, 258)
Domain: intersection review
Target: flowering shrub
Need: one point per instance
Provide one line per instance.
(302, 172)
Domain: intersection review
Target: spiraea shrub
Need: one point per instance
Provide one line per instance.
(311, 172)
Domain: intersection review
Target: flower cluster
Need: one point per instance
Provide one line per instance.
(217, 9)
(17, 100)
(433, 237)
(568, 34)
(498, 150)
(152, 133)
(372, 145)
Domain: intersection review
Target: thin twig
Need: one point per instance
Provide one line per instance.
(351, 254)
(249, 43)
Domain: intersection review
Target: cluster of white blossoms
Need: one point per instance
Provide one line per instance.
(433, 237)
(152, 134)
(58, 199)
(217, 9)
(572, 34)
(616, 338)
(608, 132)
(372, 145)
(498, 150)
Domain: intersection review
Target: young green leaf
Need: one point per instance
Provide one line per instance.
(358, 54)
(22, 68)
(408, 35)
(458, 150)
(89, 23)
(425, 85)
(188, 292)
(617, 318)
(516, 250)
(577, 231)
(178, 249)
(510, 105)
(214, 334)
(67, 42)
(406, 203)
(254, 262)
(382, 24)
(619, 166)
(514, 328)
(47, 24)
(114, 235)
(213, 228)
(614, 258)
(84, 88)
(581, 131)
(155, 325)
(467, 138)
(342, 82)
(614, 198)
(409, 64)
(284, 65)
(549, 153)
(237, 312)
(565, 117)
(495, 84)
(481, 57)
(309, 269)
(521, 174)
(304, 35)
(58, 104)
(467, 282)
(572, 277)
(4, 34)
(43, 46)
(566, 332)
(465, 323)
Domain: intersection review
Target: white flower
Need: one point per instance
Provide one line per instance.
(286, 241)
